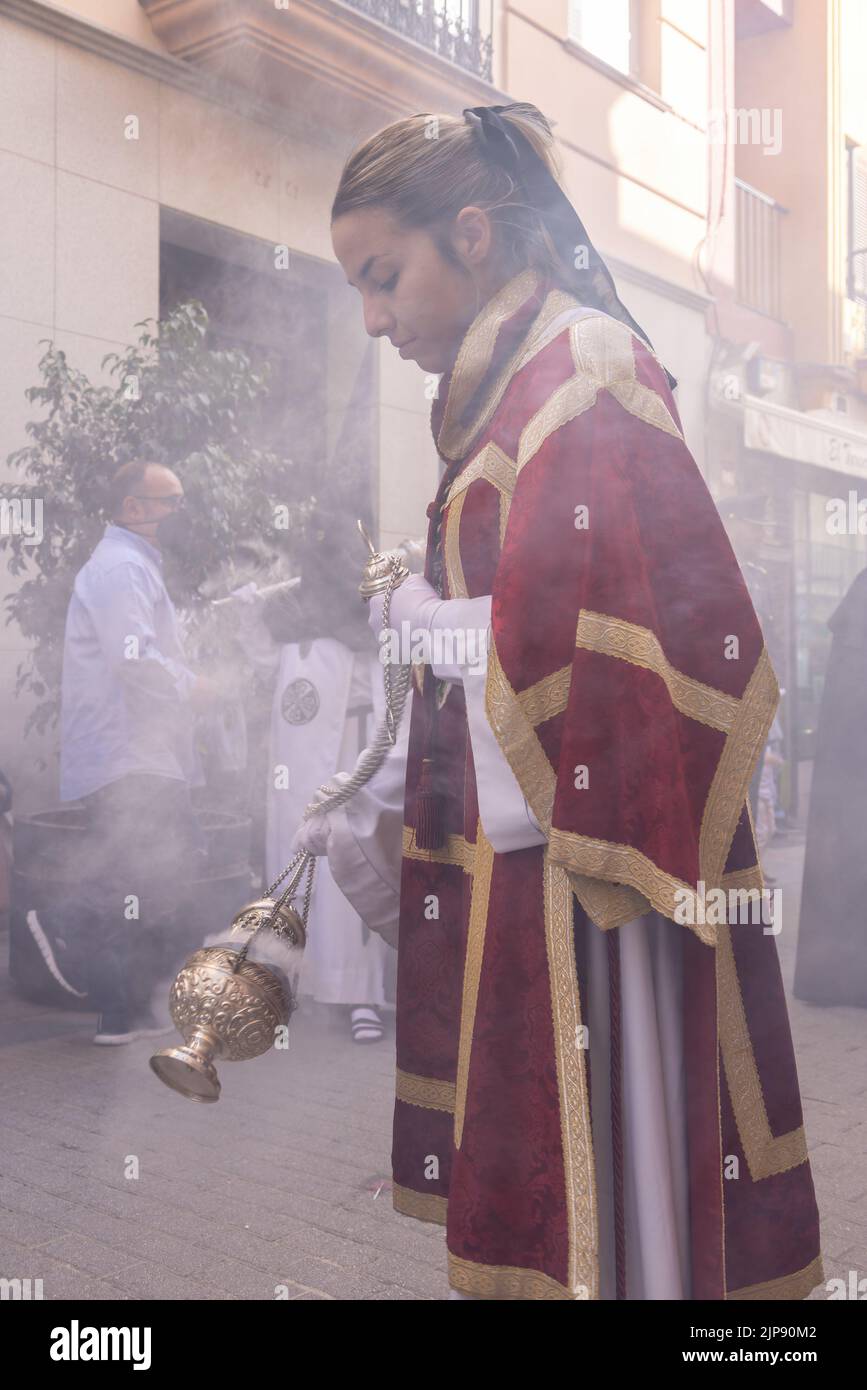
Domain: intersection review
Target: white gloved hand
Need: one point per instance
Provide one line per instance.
(453, 631)
(312, 834)
(414, 601)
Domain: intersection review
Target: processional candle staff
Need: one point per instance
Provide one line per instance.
(226, 1005)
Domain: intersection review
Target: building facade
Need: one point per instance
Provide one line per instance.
(788, 379)
(242, 117)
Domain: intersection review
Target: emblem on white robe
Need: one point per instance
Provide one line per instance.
(300, 702)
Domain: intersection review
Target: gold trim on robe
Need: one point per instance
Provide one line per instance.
(423, 1206)
(505, 1282)
(457, 850)
(472, 400)
(602, 353)
(641, 647)
(575, 1123)
(482, 873)
(473, 362)
(746, 722)
(789, 1286)
(493, 465)
(426, 1091)
(766, 1153)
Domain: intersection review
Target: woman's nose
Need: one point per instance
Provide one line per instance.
(377, 321)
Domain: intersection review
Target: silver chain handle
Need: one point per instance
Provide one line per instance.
(396, 682)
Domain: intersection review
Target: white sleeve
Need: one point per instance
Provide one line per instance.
(365, 842)
(506, 818)
(365, 838)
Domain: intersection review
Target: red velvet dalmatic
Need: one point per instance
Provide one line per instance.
(631, 693)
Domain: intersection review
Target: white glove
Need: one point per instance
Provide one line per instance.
(453, 633)
(312, 834)
(414, 601)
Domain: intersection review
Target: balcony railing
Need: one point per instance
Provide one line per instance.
(454, 29)
(759, 248)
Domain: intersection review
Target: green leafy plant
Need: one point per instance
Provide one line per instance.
(173, 399)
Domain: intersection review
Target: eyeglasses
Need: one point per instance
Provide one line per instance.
(172, 500)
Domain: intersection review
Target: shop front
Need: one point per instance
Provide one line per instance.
(814, 473)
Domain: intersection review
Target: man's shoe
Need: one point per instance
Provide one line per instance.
(113, 1029)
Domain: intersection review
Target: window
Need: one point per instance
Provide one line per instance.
(856, 277)
(608, 29)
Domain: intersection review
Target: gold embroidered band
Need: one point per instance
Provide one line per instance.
(490, 464)
(640, 647)
(484, 870)
(547, 698)
(789, 1286)
(424, 1206)
(503, 1282)
(766, 1153)
(473, 364)
(425, 1091)
(602, 352)
(731, 780)
(575, 1127)
(452, 548)
(456, 850)
(617, 866)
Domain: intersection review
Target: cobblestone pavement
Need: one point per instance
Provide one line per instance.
(285, 1182)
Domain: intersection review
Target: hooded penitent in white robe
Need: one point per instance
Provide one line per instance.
(327, 701)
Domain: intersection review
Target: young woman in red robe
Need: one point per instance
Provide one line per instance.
(596, 1088)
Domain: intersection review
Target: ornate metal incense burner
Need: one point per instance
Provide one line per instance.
(224, 1004)
(223, 1007)
(384, 569)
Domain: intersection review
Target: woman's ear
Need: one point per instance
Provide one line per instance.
(472, 237)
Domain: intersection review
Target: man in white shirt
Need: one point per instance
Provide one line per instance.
(128, 702)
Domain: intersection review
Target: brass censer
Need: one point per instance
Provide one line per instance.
(224, 1004)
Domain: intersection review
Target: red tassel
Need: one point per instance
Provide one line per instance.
(429, 811)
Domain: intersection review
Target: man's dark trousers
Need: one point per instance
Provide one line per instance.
(144, 848)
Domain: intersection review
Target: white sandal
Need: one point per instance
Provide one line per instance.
(366, 1025)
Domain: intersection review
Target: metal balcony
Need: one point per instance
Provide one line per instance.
(759, 250)
(456, 30)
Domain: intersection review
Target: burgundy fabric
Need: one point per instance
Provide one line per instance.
(505, 1198)
(663, 561)
(703, 1122)
(771, 1226)
(656, 556)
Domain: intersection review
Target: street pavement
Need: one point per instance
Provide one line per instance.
(112, 1186)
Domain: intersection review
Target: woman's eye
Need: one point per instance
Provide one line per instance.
(390, 284)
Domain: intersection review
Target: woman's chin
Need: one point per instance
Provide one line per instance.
(428, 359)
